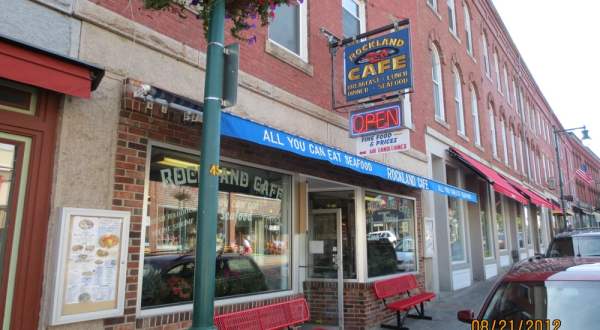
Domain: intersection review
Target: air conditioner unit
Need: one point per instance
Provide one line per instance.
(551, 183)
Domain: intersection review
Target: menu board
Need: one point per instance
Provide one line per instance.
(91, 265)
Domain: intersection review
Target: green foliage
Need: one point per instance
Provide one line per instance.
(243, 13)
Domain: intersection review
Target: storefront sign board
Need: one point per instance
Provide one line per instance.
(91, 264)
(383, 143)
(378, 66)
(239, 128)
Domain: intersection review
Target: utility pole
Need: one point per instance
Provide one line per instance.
(208, 185)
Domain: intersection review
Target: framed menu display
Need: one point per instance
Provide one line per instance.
(90, 265)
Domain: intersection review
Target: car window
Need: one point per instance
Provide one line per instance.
(574, 303)
(588, 246)
(561, 247)
(241, 265)
(518, 301)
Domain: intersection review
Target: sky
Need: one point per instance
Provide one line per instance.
(558, 41)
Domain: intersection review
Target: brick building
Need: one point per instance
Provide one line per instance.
(478, 125)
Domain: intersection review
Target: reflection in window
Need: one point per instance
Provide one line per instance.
(520, 229)
(456, 225)
(484, 216)
(285, 27)
(351, 17)
(7, 171)
(501, 224)
(253, 230)
(390, 234)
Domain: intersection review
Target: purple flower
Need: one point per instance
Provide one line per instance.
(252, 40)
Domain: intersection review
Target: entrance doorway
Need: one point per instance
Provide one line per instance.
(14, 153)
(330, 255)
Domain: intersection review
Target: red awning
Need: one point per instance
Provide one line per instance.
(533, 197)
(498, 182)
(34, 66)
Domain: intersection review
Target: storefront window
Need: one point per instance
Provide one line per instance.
(488, 245)
(391, 245)
(520, 229)
(501, 224)
(253, 230)
(456, 225)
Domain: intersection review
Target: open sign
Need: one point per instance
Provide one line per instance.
(377, 120)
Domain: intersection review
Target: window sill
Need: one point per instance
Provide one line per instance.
(442, 122)
(434, 12)
(479, 146)
(471, 56)
(453, 33)
(462, 136)
(288, 57)
(497, 158)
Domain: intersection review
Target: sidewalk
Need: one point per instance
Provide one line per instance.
(444, 308)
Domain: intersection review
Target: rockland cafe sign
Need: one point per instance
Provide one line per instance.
(374, 67)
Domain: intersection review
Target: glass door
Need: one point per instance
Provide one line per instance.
(12, 188)
(325, 251)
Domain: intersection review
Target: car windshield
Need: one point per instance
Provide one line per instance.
(574, 303)
(588, 246)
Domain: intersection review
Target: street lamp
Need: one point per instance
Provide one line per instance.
(584, 136)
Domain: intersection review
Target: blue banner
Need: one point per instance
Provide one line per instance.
(243, 129)
(378, 66)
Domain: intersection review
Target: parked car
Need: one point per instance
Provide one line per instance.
(405, 255)
(558, 292)
(169, 278)
(580, 243)
(384, 234)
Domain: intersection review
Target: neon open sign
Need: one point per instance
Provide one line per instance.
(380, 119)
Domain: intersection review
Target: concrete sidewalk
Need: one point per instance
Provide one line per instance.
(444, 308)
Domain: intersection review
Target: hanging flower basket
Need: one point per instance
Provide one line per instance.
(243, 13)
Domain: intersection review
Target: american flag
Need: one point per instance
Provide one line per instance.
(582, 172)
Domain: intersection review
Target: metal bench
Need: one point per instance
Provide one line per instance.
(270, 317)
(403, 285)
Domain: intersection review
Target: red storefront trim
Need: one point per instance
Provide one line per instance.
(34, 66)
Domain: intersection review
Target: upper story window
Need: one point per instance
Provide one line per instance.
(475, 115)
(451, 16)
(289, 29)
(486, 55)
(353, 17)
(458, 103)
(506, 89)
(468, 33)
(493, 132)
(432, 4)
(514, 148)
(497, 67)
(504, 141)
(438, 88)
(514, 86)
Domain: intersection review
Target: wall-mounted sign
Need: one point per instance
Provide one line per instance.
(91, 264)
(378, 66)
(383, 143)
(376, 120)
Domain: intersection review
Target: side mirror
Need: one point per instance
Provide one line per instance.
(465, 316)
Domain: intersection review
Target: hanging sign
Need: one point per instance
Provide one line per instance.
(383, 143)
(378, 66)
(376, 120)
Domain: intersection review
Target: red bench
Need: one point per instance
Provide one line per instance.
(270, 317)
(403, 285)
